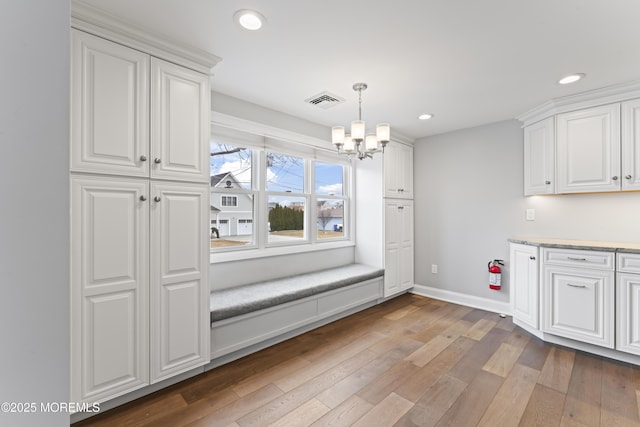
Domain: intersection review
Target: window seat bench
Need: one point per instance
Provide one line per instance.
(247, 318)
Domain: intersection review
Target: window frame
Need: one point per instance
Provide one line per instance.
(310, 154)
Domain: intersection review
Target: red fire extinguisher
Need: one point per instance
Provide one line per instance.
(495, 274)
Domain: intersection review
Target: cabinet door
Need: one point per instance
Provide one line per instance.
(523, 282)
(631, 145)
(392, 246)
(110, 107)
(539, 158)
(579, 304)
(109, 287)
(179, 270)
(398, 256)
(588, 156)
(406, 245)
(179, 123)
(398, 170)
(628, 315)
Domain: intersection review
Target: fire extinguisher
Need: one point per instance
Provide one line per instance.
(495, 274)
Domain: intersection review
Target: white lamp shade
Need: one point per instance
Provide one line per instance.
(357, 130)
(371, 142)
(383, 132)
(349, 145)
(337, 135)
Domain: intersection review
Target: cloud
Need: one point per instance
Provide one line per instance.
(333, 189)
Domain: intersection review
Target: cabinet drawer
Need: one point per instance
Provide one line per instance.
(628, 263)
(578, 258)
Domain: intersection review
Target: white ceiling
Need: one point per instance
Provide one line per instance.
(469, 62)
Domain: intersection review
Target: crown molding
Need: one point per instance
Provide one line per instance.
(93, 20)
(592, 98)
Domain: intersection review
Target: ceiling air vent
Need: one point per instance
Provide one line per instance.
(325, 100)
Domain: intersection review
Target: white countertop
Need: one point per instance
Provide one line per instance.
(579, 244)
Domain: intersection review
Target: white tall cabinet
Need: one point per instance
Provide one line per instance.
(398, 219)
(139, 215)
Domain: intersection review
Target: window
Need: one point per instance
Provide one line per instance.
(267, 193)
(229, 201)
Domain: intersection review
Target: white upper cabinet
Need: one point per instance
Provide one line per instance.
(136, 115)
(398, 170)
(110, 107)
(631, 145)
(588, 150)
(539, 158)
(179, 122)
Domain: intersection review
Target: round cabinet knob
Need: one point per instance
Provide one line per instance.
(143, 198)
(628, 176)
(532, 258)
(547, 182)
(143, 158)
(156, 160)
(157, 199)
(615, 178)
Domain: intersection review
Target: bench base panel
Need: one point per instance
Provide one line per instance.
(239, 336)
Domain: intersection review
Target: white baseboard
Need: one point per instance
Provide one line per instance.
(463, 299)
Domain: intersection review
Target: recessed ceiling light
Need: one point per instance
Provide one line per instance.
(425, 116)
(571, 78)
(249, 19)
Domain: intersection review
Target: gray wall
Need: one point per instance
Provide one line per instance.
(469, 201)
(34, 189)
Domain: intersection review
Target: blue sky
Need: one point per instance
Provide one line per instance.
(285, 174)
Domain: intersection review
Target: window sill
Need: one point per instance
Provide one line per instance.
(220, 257)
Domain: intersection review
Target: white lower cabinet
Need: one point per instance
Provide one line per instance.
(578, 295)
(139, 294)
(523, 280)
(628, 303)
(398, 254)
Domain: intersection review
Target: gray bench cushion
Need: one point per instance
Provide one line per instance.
(232, 302)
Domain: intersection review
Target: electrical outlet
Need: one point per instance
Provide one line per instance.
(531, 215)
(434, 268)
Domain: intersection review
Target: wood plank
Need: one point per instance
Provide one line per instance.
(401, 312)
(584, 394)
(230, 413)
(305, 374)
(345, 414)
(556, 372)
(304, 415)
(434, 403)
(261, 379)
(431, 349)
(503, 360)
(386, 383)
(469, 366)
(509, 404)
(473, 402)
(535, 354)
(342, 390)
(289, 401)
(480, 329)
(390, 410)
(618, 394)
(415, 386)
(544, 408)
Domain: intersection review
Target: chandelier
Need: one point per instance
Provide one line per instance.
(357, 143)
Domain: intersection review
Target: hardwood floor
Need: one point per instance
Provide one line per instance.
(411, 361)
